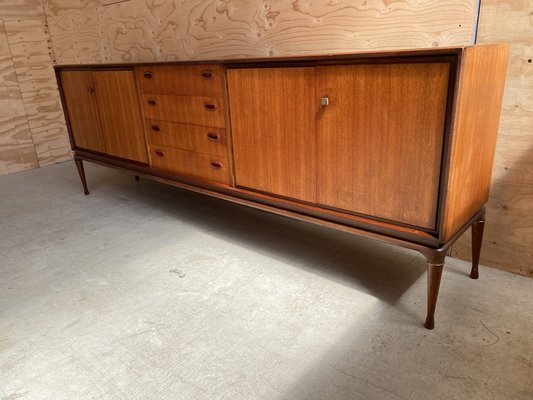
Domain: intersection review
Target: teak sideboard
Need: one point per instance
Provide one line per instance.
(397, 146)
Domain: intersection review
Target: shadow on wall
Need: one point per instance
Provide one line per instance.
(508, 237)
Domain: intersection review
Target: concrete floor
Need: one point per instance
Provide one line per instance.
(144, 291)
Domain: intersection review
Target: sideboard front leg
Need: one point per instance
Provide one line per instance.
(477, 238)
(434, 273)
(81, 171)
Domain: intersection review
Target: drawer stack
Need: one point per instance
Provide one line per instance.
(185, 119)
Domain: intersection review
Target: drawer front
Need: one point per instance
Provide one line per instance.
(190, 163)
(196, 110)
(192, 80)
(209, 141)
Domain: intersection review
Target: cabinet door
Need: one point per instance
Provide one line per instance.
(82, 109)
(380, 139)
(273, 130)
(120, 114)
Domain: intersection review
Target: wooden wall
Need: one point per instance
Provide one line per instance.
(132, 30)
(16, 145)
(38, 33)
(32, 128)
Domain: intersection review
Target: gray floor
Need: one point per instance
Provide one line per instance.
(144, 291)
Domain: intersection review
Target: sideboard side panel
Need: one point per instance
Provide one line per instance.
(479, 95)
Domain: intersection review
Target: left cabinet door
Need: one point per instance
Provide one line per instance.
(120, 114)
(82, 109)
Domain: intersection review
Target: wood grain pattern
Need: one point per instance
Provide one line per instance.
(17, 152)
(21, 9)
(144, 30)
(82, 109)
(474, 132)
(380, 139)
(193, 80)
(508, 239)
(210, 168)
(209, 141)
(273, 130)
(120, 114)
(32, 58)
(185, 109)
(75, 31)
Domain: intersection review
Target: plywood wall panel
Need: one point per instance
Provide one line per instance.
(144, 30)
(75, 31)
(17, 152)
(17, 9)
(509, 230)
(32, 56)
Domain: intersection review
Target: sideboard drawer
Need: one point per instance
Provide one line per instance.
(195, 80)
(201, 139)
(190, 163)
(196, 110)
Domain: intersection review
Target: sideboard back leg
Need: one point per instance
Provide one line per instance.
(434, 273)
(81, 171)
(477, 237)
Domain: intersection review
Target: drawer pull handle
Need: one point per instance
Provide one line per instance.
(148, 74)
(216, 164)
(160, 153)
(207, 74)
(210, 106)
(152, 102)
(155, 128)
(213, 136)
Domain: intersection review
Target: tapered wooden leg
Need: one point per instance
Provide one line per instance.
(477, 238)
(434, 272)
(137, 178)
(81, 171)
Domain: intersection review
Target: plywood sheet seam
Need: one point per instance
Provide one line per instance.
(17, 78)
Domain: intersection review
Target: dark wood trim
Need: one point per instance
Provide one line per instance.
(229, 136)
(316, 62)
(441, 52)
(446, 147)
(64, 106)
(91, 155)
